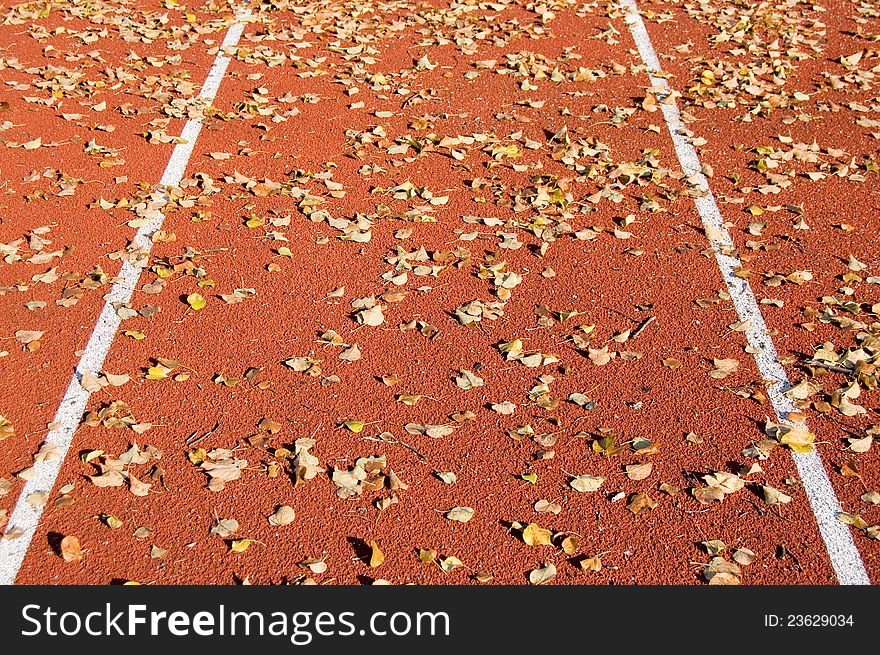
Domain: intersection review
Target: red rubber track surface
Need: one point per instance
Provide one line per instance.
(656, 266)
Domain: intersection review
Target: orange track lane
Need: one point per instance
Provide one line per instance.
(588, 271)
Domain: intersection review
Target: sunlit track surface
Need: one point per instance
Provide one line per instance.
(433, 303)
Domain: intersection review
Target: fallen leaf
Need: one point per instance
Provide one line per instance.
(6, 428)
(723, 368)
(546, 507)
(593, 563)
(586, 483)
(468, 380)
(460, 514)
(773, 496)
(640, 502)
(225, 527)
(372, 316)
(376, 555)
(639, 471)
(196, 301)
(743, 556)
(535, 535)
(28, 336)
(71, 550)
(284, 515)
(543, 575)
(721, 572)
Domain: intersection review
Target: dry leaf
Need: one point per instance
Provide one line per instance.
(543, 575)
(71, 550)
(284, 515)
(460, 514)
(376, 555)
(535, 535)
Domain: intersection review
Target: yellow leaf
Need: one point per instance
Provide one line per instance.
(355, 425)
(6, 428)
(112, 521)
(158, 372)
(240, 545)
(535, 535)
(197, 455)
(570, 545)
(799, 439)
(196, 301)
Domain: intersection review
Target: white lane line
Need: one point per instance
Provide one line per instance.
(26, 516)
(845, 558)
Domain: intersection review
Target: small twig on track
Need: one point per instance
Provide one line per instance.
(641, 327)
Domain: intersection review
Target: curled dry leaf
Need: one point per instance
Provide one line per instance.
(708, 495)
(433, 431)
(467, 380)
(505, 409)
(28, 336)
(593, 563)
(723, 368)
(743, 555)
(714, 546)
(137, 487)
(447, 476)
(450, 563)
(543, 575)
(351, 354)
(870, 497)
(316, 565)
(547, 507)
(372, 316)
(225, 527)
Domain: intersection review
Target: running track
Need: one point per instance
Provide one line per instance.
(688, 263)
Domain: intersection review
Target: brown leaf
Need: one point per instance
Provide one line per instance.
(707, 495)
(640, 502)
(376, 555)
